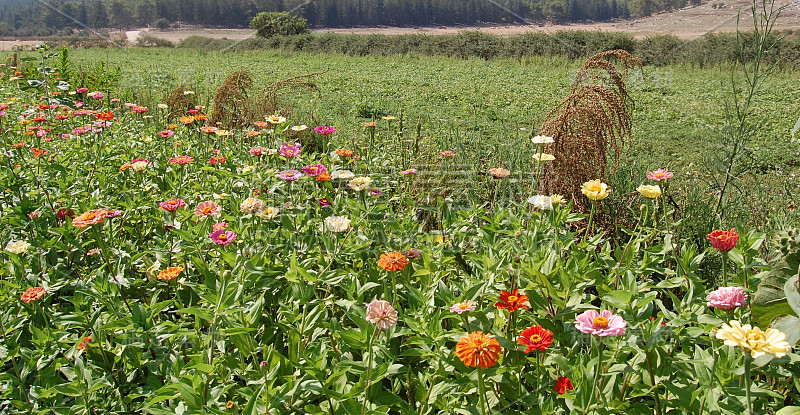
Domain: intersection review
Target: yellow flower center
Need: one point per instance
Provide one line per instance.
(601, 322)
(206, 210)
(463, 306)
(223, 237)
(536, 338)
(172, 202)
(512, 299)
(90, 215)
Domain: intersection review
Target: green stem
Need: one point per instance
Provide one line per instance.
(653, 383)
(597, 373)
(482, 391)
(748, 360)
(369, 369)
(589, 225)
(724, 269)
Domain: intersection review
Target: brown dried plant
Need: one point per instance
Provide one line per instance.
(269, 102)
(593, 121)
(179, 101)
(232, 106)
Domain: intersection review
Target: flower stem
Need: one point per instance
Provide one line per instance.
(482, 391)
(724, 269)
(369, 368)
(748, 360)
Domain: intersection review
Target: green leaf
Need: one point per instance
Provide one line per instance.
(789, 410)
(770, 300)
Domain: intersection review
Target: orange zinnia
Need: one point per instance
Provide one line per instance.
(393, 261)
(323, 177)
(32, 294)
(512, 301)
(87, 339)
(200, 117)
(170, 273)
(186, 120)
(478, 349)
(38, 152)
(344, 153)
(90, 218)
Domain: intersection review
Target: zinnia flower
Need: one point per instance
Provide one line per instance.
(659, 175)
(171, 205)
(299, 127)
(542, 139)
(600, 324)
(541, 202)
(463, 307)
(499, 172)
(252, 205)
(724, 240)
(290, 175)
(215, 160)
(382, 314)
(140, 165)
(222, 237)
(392, 261)
(727, 298)
(412, 253)
(536, 337)
(408, 171)
(595, 190)
(90, 218)
(275, 119)
(543, 157)
(290, 150)
(342, 174)
(207, 208)
(557, 200)
(324, 130)
(478, 349)
(166, 133)
(562, 385)
(257, 151)
(32, 294)
(337, 223)
(314, 170)
(268, 213)
(324, 202)
(181, 160)
(170, 273)
(512, 301)
(649, 191)
(360, 183)
(84, 341)
(344, 153)
(17, 247)
(753, 340)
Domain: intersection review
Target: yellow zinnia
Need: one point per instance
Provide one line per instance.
(595, 190)
(753, 340)
(543, 157)
(648, 191)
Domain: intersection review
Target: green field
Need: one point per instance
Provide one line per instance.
(486, 110)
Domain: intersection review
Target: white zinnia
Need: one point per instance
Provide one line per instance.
(342, 174)
(360, 183)
(17, 247)
(337, 223)
(140, 166)
(542, 139)
(541, 202)
(268, 213)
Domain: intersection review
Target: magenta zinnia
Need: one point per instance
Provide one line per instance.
(222, 237)
(314, 170)
(324, 130)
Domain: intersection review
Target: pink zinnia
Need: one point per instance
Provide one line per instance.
(409, 171)
(257, 151)
(221, 225)
(382, 314)
(172, 204)
(290, 150)
(727, 298)
(166, 133)
(659, 175)
(290, 175)
(463, 307)
(216, 160)
(600, 324)
(222, 237)
(324, 130)
(207, 209)
(138, 160)
(314, 170)
(181, 160)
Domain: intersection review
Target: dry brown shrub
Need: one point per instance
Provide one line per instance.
(179, 102)
(232, 106)
(592, 121)
(269, 101)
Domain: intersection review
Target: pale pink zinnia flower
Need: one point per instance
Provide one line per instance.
(382, 314)
(207, 209)
(727, 298)
(222, 237)
(659, 175)
(291, 175)
(172, 204)
(290, 150)
(600, 324)
(463, 307)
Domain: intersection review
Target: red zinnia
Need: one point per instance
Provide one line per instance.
(512, 301)
(724, 240)
(562, 385)
(536, 337)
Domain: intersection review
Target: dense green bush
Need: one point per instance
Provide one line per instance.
(268, 24)
(147, 41)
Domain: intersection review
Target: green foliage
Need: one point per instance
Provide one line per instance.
(269, 24)
(145, 41)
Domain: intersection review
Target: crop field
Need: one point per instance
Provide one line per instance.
(265, 232)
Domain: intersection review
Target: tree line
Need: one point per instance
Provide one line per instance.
(64, 17)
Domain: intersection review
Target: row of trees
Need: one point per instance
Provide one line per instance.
(38, 18)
